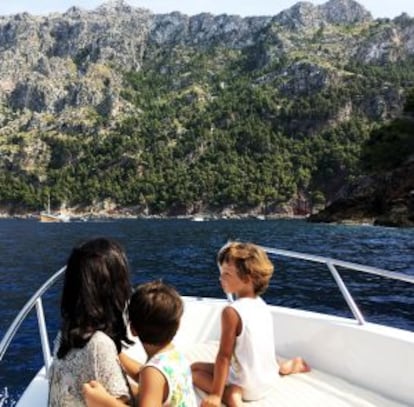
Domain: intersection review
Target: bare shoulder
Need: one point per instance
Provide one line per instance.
(153, 386)
(229, 312)
(230, 319)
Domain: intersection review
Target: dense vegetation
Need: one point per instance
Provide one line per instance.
(392, 144)
(210, 132)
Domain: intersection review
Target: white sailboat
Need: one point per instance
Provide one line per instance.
(48, 216)
(354, 363)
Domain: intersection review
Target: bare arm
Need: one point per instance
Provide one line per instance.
(230, 323)
(131, 366)
(153, 388)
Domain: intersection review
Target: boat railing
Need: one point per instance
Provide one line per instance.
(34, 301)
(332, 264)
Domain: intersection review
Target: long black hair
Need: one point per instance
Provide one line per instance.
(96, 290)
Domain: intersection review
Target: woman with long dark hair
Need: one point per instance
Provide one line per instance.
(95, 293)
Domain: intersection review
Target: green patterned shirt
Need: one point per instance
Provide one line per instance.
(176, 370)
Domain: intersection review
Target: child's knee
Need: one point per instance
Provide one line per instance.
(235, 401)
(234, 396)
(194, 367)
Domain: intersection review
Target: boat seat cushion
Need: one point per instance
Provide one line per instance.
(313, 389)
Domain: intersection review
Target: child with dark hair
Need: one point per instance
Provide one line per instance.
(245, 368)
(95, 292)
(154, 311)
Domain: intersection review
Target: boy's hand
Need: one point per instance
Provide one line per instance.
(95, 394)
(210, 401)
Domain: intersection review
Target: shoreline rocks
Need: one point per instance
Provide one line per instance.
(384, 200)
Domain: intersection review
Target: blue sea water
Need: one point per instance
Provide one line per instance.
(182, 253)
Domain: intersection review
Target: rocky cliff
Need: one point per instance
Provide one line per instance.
(385, 199)
(55, 62)
(308, 73)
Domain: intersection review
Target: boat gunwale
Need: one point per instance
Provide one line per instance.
(14, 326)
(401, 334)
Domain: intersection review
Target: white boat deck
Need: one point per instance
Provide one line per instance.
(313, 389)
(354, 363)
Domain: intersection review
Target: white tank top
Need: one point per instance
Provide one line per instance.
(253, 366)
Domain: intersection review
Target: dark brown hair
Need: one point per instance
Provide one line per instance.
(154, 312)
(95, 292)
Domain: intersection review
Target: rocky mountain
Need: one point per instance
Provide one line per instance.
(321, 73)
(54, 62)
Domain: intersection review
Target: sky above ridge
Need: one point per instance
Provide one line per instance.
(378, 8)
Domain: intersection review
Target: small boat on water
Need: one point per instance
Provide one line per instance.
(354, 363)
(48, 216)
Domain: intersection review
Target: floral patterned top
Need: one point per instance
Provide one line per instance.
(176, 370)
(97, 360)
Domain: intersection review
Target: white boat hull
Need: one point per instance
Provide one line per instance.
(52, 217)
(353, 365)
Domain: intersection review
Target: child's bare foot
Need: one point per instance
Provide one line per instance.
(295, 365)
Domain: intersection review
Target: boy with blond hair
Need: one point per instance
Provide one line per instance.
(245, 366)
